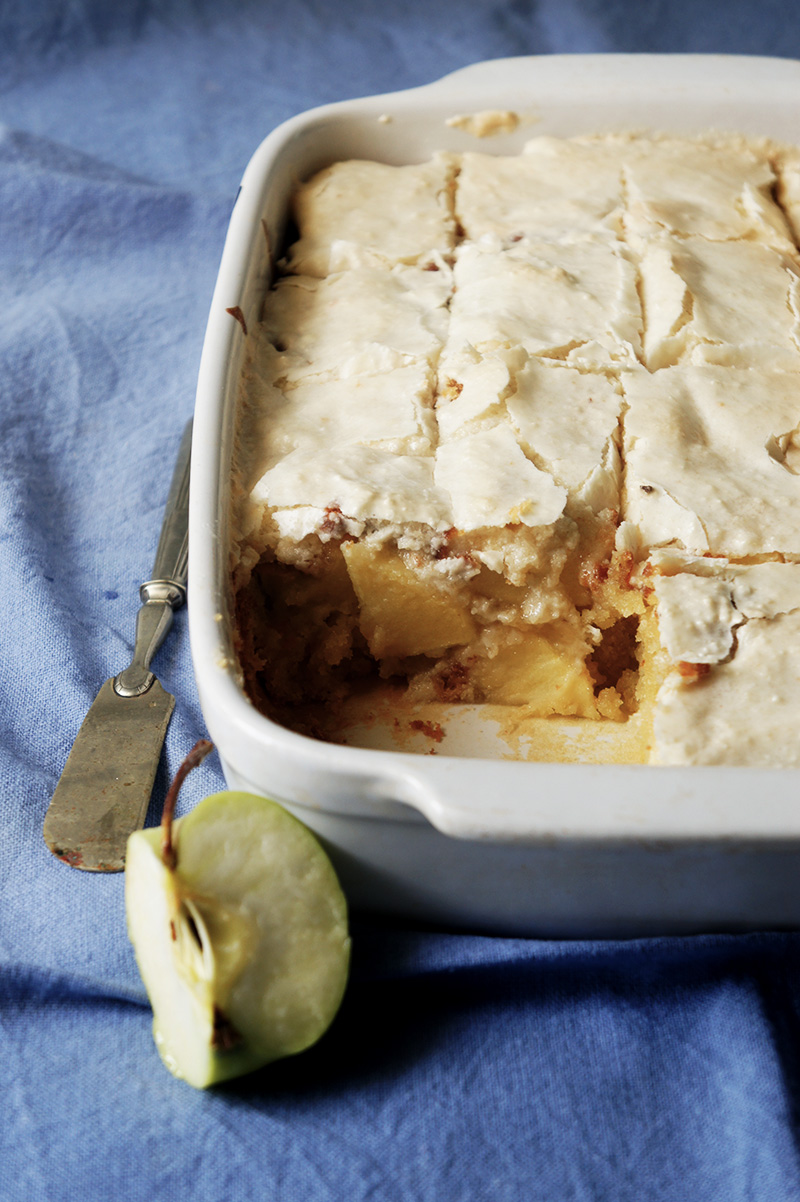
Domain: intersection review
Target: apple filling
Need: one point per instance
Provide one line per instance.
(521, 434)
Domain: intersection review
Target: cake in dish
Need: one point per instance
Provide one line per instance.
(522, 433)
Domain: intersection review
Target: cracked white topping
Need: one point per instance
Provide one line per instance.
(538, 328)
(766, 589)
(566, 190)
(360, 482)
(491, 483)
(568, 422)
(575, 302)
(745, 711)
(545, 276)
(696, 617)
(557, 190)
(745, 621)
(472, 395)
(678, 187)
(700, 606)
(703, 460)
(391, 411)
(356, 322)
(732, 303)
(394, 214)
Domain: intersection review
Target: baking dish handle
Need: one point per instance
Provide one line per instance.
(599, 802)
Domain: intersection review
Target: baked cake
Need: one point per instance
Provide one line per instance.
(524, 432)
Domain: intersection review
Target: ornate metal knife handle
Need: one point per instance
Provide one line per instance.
(166, 592)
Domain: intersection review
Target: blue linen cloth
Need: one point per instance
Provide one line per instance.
(461, 1066)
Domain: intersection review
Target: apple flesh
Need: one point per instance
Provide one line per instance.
(243, 944)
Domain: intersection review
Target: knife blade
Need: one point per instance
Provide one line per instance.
(105, 787)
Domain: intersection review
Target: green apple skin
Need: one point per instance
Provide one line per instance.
(243, 947)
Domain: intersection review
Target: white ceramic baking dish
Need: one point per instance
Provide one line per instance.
(481, 842)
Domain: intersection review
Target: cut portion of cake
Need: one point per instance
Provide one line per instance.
(522, 433)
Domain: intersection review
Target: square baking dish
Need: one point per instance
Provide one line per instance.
(466, 839)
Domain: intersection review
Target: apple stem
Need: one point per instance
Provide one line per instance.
(195, 757)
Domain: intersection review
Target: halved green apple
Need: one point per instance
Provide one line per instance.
(240, 931)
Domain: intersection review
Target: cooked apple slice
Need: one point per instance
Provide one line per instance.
(240, 931)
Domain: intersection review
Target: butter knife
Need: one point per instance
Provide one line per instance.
(105, 788)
